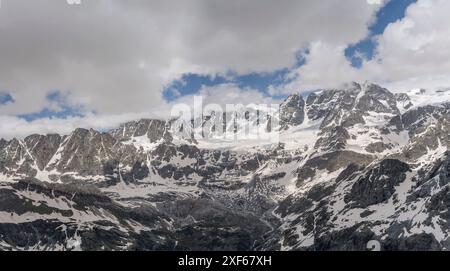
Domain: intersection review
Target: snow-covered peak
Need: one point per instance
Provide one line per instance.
(423, 97)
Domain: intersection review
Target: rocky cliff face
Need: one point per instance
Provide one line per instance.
(352, 165)
(292, 111)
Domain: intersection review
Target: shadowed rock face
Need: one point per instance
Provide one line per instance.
(378, 147)
(43, 148)
(292, 111)
(404, 101)
(195, 222)
(369, 173)
(414, 120)
(428, 128)
(331, 162)
(376, 99)
(84, 151)
(378, 185)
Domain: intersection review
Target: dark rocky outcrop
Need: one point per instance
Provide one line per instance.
(378, 184)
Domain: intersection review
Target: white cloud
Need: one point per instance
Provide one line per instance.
(416, 46)
(11, 126)
(375, 2)
(115, 57)
(228, 93)
(413, 52)
(326, 67)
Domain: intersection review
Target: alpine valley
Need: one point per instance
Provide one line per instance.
(353, 165)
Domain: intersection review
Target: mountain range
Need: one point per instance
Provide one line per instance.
(352, 166)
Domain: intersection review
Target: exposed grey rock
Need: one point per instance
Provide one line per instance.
(85, 151)
(331, 162)
(378, 184)
(43, 148)
(378, 147)
(155, 130)
(404, 100)
(343, 109)
(292, 111)
(377, 99)
(320, 104)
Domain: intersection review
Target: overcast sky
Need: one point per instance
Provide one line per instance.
(107, 61)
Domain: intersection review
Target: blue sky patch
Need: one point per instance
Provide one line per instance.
(394, 10)
(261, 81)
(192, 83)
(63, 109)
(6, 98)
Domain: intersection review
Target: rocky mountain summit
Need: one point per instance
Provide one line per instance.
(352, 165)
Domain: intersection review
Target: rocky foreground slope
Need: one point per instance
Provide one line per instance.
(352, 165)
